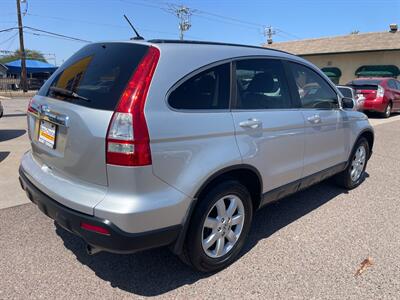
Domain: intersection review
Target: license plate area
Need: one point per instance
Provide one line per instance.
(47, 134)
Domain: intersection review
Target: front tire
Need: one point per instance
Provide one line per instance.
(354, 174)
(219, 227)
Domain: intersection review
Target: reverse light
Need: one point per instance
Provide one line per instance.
(95, 228)
(380, 92)
(128, 142)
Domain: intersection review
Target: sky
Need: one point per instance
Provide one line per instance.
(234, 21)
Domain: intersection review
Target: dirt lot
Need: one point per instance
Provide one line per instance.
(308, 245)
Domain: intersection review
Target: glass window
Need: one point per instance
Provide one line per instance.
(392, 84)
(313, 90)
(346, 92)
(208, 90)
(398, 85)
(98, 72)
(261, 84)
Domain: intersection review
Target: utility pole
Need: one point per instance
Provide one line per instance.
(183, 13)
(269, 32)
(22, 49)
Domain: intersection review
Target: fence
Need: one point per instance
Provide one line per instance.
(13, 84)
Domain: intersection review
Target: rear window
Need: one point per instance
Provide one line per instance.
(358, 83)
(346, 92)
(98, 73)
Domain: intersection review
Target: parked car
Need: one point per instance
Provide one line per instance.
(381, 94)
(1, 110)
(349, 92)
(183, 143)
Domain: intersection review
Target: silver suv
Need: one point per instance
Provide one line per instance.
(140, 144)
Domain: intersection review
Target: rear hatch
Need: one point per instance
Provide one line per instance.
(69, 118)
(366, 88)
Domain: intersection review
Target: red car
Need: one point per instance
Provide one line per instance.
(381, 94)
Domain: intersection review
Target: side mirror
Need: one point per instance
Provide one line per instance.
(348, 103)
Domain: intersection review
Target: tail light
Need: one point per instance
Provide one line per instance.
(30, 107)
(380, 92)
(128, 142)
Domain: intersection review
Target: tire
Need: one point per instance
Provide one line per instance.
(219, 254)
(350, 180)
(388, 111)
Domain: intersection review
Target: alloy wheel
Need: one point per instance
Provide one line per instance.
(358, 163)
(223, 226)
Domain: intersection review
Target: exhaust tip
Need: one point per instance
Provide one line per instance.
(91, 250)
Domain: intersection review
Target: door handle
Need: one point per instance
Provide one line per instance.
(315, 119)
(251, 123)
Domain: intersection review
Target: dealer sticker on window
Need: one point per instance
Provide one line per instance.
(47, 133)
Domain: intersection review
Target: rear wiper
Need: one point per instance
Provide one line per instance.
(67, 93)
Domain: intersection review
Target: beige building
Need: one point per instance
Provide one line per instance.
(344, 58)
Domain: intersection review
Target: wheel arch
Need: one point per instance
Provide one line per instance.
(246, 174)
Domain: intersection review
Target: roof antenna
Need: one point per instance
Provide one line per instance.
(137, 37)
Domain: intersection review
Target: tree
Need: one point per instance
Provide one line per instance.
(30, 54)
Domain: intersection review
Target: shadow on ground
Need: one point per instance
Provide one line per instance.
(4, 155)
(9, 134)
(14, 115)
(158, 271)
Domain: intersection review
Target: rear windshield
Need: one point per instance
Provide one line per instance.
(346, 92)
(98, 73)
(361, 82)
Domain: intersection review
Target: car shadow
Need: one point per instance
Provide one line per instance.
(4, 155)
(9, 134)
(158, 271)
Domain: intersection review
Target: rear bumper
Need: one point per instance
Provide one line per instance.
(374, 105)
(117, 241)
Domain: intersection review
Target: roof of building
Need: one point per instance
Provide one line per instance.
(32, 66)
(361, 42)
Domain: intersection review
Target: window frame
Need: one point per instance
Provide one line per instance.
(234, 85)
(193, 74)
(293, 86)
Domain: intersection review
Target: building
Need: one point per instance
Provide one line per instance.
(3, 71)
(344, 58)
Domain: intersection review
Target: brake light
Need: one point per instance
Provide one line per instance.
(128, 142)
(380, 92)
(95, 228)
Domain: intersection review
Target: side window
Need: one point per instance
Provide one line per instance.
(209, 89)
(398, 85)
(313, 90)
(261, 84)
(392, 84)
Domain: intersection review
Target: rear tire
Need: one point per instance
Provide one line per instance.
(388, 111)
(354, 174)
(219, 227)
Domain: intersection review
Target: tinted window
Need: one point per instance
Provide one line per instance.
(209, 89)
(98, 72)
(364, 82)
(398, 85)
(346, 92)
(392, 84)
(261, 84)
(313, 90)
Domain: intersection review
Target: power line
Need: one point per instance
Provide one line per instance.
(8, 39)
(57, 34)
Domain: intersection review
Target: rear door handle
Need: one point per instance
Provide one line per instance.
(315, 119)
(251, 123)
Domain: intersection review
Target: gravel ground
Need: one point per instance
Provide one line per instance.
(308, 245)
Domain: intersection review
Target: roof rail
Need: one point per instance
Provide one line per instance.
(164, 41)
